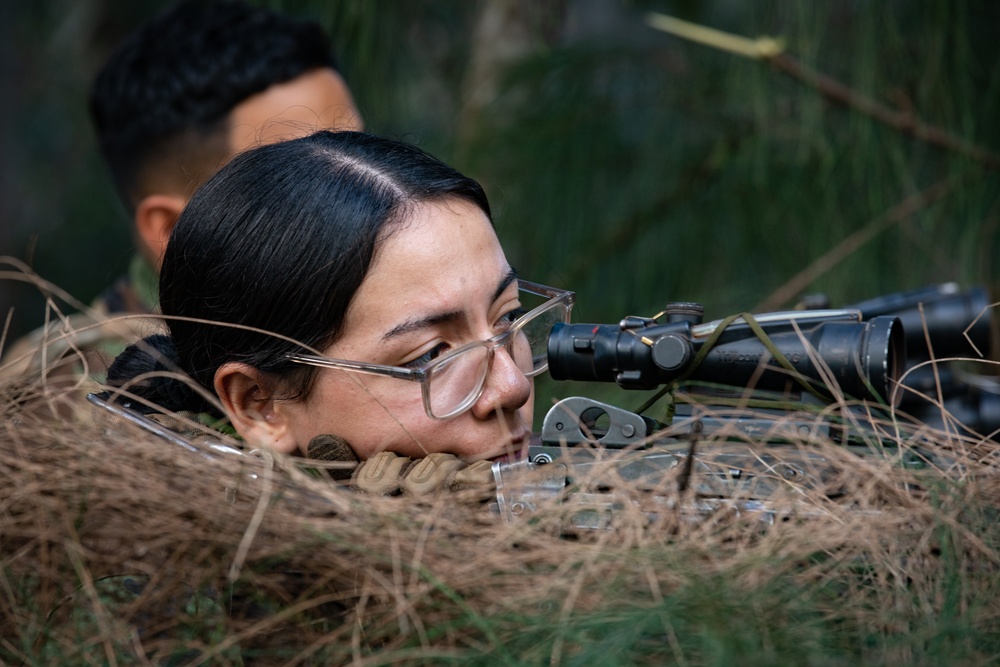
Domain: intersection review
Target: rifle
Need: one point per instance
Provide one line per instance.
(749, 396)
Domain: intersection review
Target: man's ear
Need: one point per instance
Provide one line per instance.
(155, 217)
(248, 398)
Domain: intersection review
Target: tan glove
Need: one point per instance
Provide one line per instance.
(432, 472)
(381, 474)
(387, 473)
(476, 475)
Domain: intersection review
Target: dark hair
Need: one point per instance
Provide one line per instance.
(280, 239)
(168, 90)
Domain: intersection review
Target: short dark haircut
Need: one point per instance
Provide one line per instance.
(167, 91)
(280, 240)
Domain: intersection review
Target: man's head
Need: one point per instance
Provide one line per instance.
(196, 85)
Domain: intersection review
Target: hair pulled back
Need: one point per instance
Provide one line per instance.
(280, 240)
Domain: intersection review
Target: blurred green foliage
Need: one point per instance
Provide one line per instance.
(629, 165)
(625, 163)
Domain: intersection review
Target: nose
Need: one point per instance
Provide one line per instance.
(507, 388)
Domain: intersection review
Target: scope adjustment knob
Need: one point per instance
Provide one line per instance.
(684, 311)
(671, 352)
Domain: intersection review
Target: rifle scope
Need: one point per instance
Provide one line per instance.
(826, 347)
(941, 313)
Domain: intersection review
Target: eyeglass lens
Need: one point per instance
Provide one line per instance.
(457, 381)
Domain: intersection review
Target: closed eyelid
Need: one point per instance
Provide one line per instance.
(423, 359)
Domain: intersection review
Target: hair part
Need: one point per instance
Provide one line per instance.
(278, 242)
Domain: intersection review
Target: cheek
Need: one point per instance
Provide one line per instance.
(371, 414)
(373, 399)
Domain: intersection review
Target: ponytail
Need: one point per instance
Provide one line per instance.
(154, 361)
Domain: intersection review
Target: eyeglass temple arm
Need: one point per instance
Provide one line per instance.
(357, 366)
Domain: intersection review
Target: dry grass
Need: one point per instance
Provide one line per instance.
(120, 548)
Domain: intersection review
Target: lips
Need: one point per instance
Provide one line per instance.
(516, 450)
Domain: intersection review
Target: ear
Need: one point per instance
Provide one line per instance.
(248, 399)
(155, 217)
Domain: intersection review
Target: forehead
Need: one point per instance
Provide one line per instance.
(315, 100)
(442, 256)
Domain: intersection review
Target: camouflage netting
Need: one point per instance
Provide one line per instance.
(117, 547)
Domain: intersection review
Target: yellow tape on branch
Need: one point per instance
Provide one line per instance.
(760, 48)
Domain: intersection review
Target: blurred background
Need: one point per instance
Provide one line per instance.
(628, 164)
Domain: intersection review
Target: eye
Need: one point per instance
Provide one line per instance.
(427, 357)
(508, 318)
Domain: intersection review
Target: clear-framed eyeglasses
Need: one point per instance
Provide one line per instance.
(453, 382)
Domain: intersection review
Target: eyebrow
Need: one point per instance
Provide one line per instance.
(450, 316)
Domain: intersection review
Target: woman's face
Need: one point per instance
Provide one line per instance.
(439, 280)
